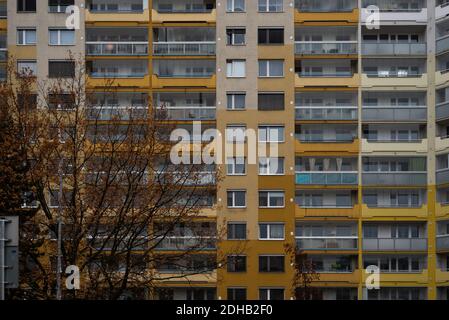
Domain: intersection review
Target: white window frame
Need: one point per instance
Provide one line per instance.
(59, 31)
(267, 5)
(269, 291)
(267, 70)
(230, 6)
(21, 36)
(267, 128)
(34, 69)
(234, 206)
(269, 195)
(269, 224)
(235, 137)
(231, 68)
(231, 162)
(268, 161)
(232, 96)
(233, 36)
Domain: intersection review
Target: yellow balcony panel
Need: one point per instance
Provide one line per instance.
(118, 18)
(22, 52)
(400, 213)
(327, 147)
(441, 78)
(208, 212)
(301, 212)
(389, 82)
(441, 210)
(161, 82)
(401, 278)
(208, 17)
(3, 24)
(194, 279)
(345, 17)
(340, 278)
(441, 144)
(352, 82)
(441, 276)
(394, 147)
(141, 82)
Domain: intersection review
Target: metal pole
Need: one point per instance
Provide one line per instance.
(2, 258)
(59, 254)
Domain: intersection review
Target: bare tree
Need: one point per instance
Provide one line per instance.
(130, 218)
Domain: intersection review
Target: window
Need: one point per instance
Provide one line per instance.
(370, 232)
(235, 6)
(235, 134)
(271, 199)
(236, 263)
(59, 6)
(271, 101)
(236, 166)
(236, 199)
(271, 263)
(271, 134)
(61, 69)
(236, 231)
(270, 5)
(61, 37)
(236, 101)
(26, 5)
(271, 231)
(235, 68)
(61, 101)
(271, 294)
(271, 166)
(54, 198)
(26, 68)
(271, 36)
(236, 36)
(271, 68)
(27, 101)
(26, 36)
(236, 294)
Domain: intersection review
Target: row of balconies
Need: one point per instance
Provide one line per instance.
(350, 48)
(368, 178)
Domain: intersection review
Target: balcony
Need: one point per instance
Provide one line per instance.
(396, 11)
(442, 10)
(3, 15)
(343, 277)
(377, 211)
(441, 77)
(326, 47)
(442, 44)
(183, 11)
(390, 79)
(442, 111)
(307, 144)
(326, 113)
(394, 114)
(187, 243)
(442, 176)
(135, 11)
(400, 277)
(395, 244)
(183, 73)
(199, 48)
(443, 242)
(327, 243)
(328, 178)
(349, 211)
(394, 178)
(116, 48)
(393, 146)
(347, 79)
(106, 113)
(394, 49)
(441, 144)
(326, 11)
(188, 113)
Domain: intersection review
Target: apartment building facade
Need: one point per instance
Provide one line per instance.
(358, 113)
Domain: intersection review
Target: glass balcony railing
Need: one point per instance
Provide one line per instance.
(442, 110)
(319, 138)
(442, 44)
(184, 48)
(394, 113)
(336, 74)
(393, 74)
(188, 113)
(442, 176)
(326, 113)
(325, 6)
(408, 178)
(116, 113)
(395, 244)
(394, 48)
(395, 5)
(117, 48)
(327, 178)
(327, 243)
(3, 54)
(118, 74)
(394, 206)
(124, 7)
(442, 242)
(186, 9)
(183, 243)
(325, 47)
(179, 74)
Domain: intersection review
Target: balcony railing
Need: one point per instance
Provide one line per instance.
(442, 110)
(3, 54)
(394, 48)
(185, 75)
(409, 178)
(394, 113)
(442, 176)
(342, 74)
(318, 138)
(106, 74)
(394, 206)
(189, 113)
(118, 48)
(327, 206)
(196, 9)
(327, 178)
(395, 244)
(326, 113)
(442, 44)
(393, 74)
(320, 6)
(395, 5)
(327, 243)
(325, 47)
(116, 112)
(443, 242)
(183, 243)
(197, 48)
